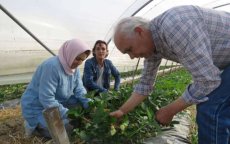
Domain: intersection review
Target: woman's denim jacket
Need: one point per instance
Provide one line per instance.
(91, 74)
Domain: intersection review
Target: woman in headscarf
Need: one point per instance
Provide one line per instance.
(56, 83)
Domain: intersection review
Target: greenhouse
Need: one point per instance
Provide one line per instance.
(127, 110)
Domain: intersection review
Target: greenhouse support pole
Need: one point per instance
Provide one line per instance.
(25, 29)
(221, 5)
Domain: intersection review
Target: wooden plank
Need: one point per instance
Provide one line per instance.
(56, 126)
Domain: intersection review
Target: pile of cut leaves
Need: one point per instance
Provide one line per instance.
(94, 125)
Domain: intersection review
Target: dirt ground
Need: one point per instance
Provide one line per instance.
(12, 130)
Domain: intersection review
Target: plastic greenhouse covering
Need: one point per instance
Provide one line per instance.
(55, 21)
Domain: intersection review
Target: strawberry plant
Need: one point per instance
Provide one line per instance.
(94, 125)
(8, 92)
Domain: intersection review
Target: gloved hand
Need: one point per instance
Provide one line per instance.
(105, 90)
(84, 101)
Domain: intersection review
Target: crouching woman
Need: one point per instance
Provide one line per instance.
(56, 83)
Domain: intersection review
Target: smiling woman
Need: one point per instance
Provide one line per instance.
(98, 69)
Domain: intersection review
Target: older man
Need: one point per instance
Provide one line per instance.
(199, 39)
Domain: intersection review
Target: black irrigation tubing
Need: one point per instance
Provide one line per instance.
(25, 29)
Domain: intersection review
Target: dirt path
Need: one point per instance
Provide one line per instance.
(12, 130)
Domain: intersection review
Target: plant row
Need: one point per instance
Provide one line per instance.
(94, 125)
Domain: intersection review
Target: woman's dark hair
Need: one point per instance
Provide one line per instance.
(100, 42)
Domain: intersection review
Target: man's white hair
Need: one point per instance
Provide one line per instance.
(127, 25)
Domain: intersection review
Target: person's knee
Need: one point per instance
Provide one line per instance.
(43, 132)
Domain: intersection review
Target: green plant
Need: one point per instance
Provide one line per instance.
(94, 125)
(8, 92)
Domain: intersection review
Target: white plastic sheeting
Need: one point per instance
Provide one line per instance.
(55, 21)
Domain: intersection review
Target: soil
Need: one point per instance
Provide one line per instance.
(12, 130)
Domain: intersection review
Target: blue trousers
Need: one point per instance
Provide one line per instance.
(213, 116)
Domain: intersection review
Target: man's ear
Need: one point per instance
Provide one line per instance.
(138, 29)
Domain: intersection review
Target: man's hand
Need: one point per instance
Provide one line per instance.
(117, 114)
(164, 116)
